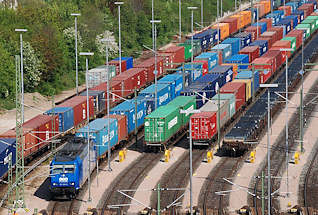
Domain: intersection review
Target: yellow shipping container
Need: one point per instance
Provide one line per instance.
(247, 17)
(267, 5)
(240, 22)
(248, 87)
(224, 29)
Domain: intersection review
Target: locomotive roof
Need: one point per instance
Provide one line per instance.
(73, 148)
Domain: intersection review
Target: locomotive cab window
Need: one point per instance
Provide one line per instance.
(58, 169)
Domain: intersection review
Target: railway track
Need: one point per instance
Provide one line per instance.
(62, 208)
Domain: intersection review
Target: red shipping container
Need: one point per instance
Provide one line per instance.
(287, 10)
(268, 39)
(282, 44)
(116, 63)
(299, 36)
(311, 7)
(168, 60)
(205, 66)
(30, 141)
(265, 70)
(116, 89)
(271, 34)
(238, 89)
(277, 55)
(253, 31)
(177, 55)
(233, 23)
(279, 32)
(149, 64)
(251, 51)
(122, 128)
(203, 125)
(78, 103)
(307, 8)
(129, 80)
(268, 22)
(261, 9)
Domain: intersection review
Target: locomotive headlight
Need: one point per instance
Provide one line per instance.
(54, 184)
(72, 183)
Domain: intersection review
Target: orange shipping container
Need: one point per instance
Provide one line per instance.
(267, 5)
(247, 17)
(224, 29)
(261, 9)
(240, 22)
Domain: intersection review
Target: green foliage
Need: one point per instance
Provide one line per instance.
(50, 44)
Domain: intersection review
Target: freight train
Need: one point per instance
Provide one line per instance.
(224, 61)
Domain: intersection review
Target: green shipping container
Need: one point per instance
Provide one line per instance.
(312, 24)
(184, 103)
(187, 50)
(161, 124)
(231, 98)
(305, 27)
(292, 40)
(314, 18)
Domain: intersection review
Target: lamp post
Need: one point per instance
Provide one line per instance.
(191, 170)
(153, 22)
(87, 54)
(286, 111)
(107, 71)
(202, 13)
(301, 99)
(268, 145)
(76, 55)
(192, 9)
(179, 20)
(21, 61)
(118, 3)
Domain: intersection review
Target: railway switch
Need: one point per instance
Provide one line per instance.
(167, 155)
(209, 156)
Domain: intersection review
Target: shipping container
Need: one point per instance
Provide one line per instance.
(99, 99)
(274, 17)
(247, 17)
(251, 51)
(203, 126)
(306, 28)
(162, 124)
(194, 70)
(263, 26)
(293, 42)
(286, 24)
(238, 89)
(277, 55)
(294, 20)
(175, 82)
(98, 133)
(211, 58)
(270, 36)
(7, 154)
(225, 72)
(279, 32)
(235, 44)
(203, 65)
(233, 23)
(149, 65)
(299, 36)
(300, 14)
(205, 38)
(282, 44)
(101, 87)
(279, 13)
(116, 63)
(246, 38)
(122, 128)
(227, 96)
(78, 103)
(262, 44)
(239, 59)
(98, 75)
(128, 108)
(176, 56)
(187, 49)
(260, 9)
(186, 78)
(254, 13)
(255, 32)
(223, 50)
(65, 115)
(312, 23)
(163, 94)
(240, 20)
(267, 5)
(265, 66)
(150, 104)
(249, 75)
(306, 9)
(248, 87)
(224, 29)
(314, 18)
(129, 62)
(314, 2)
(184, 103)
(287, 10)
(268, 40)
(268, 22)
(293, 5)
(213, 79)
(224, 110)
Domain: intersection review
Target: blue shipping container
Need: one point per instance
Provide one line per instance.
(99, 99)
(300, 14)
(263, 46)
(246, 38)
(275, 18)
(194, 70)
(280, 13)
(212, 59)
(294, 19)
(213, 79)
(286, 24)
(150, 105)
(225, 72)
(226, 50)
(235, 44)
(176, 84)
(129, 62)
(66, 117)
(239, 59)
(98, 132)
(186, 80)
(128, 108)
(203, 89)
(249, 75)
(214, 36)
(163, 94)
(263, 26)
(7, 152)
(205, 38)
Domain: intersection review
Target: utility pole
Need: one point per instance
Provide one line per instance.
(263, 198)
(53, 125)
(119, 34)
(76, 52)
(179, 20)
(301, 135)
(218, 121)
(158, 203)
